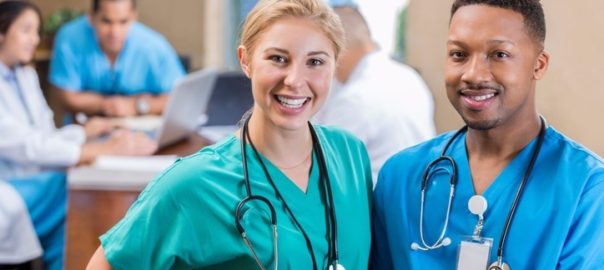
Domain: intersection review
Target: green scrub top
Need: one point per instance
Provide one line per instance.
(185, 218)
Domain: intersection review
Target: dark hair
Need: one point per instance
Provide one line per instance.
(96, 4)
(10, 10)
(531, 11)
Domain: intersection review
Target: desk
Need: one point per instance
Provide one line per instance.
(92, 212)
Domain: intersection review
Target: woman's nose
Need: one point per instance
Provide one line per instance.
(294, 77)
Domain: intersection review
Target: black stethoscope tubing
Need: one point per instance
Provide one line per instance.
(527, 173)
(324, 179)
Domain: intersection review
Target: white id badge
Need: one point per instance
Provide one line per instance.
(474, 253)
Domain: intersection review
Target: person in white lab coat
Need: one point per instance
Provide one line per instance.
(384, 103)
(29, 142)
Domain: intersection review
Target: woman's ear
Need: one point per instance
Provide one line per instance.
(243, 56)
(541, 65)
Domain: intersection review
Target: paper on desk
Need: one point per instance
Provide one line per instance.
(139, 123)
(119, 172)
(134, 163)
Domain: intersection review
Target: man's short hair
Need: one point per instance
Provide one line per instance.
(96, 4)
(531, 11)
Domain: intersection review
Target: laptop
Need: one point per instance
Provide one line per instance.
(188, 100)
(231, 98)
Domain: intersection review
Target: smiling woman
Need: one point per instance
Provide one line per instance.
(280, 183)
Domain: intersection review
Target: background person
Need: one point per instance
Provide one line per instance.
(109, 64)
(384, 103)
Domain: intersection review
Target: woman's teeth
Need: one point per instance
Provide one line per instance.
(291, 103)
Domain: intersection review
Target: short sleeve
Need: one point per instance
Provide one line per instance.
(154, 234)
(583, 245)
(64, 64)
(169, 68)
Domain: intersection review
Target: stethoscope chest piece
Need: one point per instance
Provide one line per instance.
(499, 266)
(338, 267)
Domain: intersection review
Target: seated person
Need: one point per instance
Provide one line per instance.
(30, 143)
(384, 103)
(108, 64)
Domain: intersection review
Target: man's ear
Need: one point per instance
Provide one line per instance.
(541, 65)
(242, 54)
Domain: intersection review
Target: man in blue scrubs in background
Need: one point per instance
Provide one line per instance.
(495, 56)
(109, 64)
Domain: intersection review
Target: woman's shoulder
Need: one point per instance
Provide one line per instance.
(337, 135)
(208, 163)
(340, 143)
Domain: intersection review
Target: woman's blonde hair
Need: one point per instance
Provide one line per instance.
(267, 12)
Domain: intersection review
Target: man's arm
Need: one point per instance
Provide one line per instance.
(157, 103)
(95, 104)
(87, 102)
(583, 246)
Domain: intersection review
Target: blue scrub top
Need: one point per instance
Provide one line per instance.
(558, 223)
(146, 64)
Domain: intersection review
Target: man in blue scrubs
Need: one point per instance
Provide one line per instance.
(109, 64)
(495, 56)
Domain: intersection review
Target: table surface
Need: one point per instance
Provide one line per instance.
(92, 212)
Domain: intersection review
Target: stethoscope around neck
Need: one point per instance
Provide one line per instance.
(432, 168)
(250, 197)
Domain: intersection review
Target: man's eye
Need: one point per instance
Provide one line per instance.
(456, 55)
(501, 55)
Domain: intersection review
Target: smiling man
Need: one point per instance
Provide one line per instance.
(109, 64)
(508, 191)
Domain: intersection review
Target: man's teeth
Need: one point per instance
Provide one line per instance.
(291, 103)
(483, 97)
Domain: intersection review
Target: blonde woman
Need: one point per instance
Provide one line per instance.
(280, 193)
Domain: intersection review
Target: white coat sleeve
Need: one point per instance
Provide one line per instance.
(18, 240)
(22, 143)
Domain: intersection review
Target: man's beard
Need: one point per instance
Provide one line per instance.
(481, 125)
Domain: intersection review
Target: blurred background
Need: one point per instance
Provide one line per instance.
(570, 97)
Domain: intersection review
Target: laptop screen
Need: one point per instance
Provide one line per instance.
(231, 98)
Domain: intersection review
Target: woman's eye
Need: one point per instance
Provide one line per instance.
(278, 59)
(315, 62)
